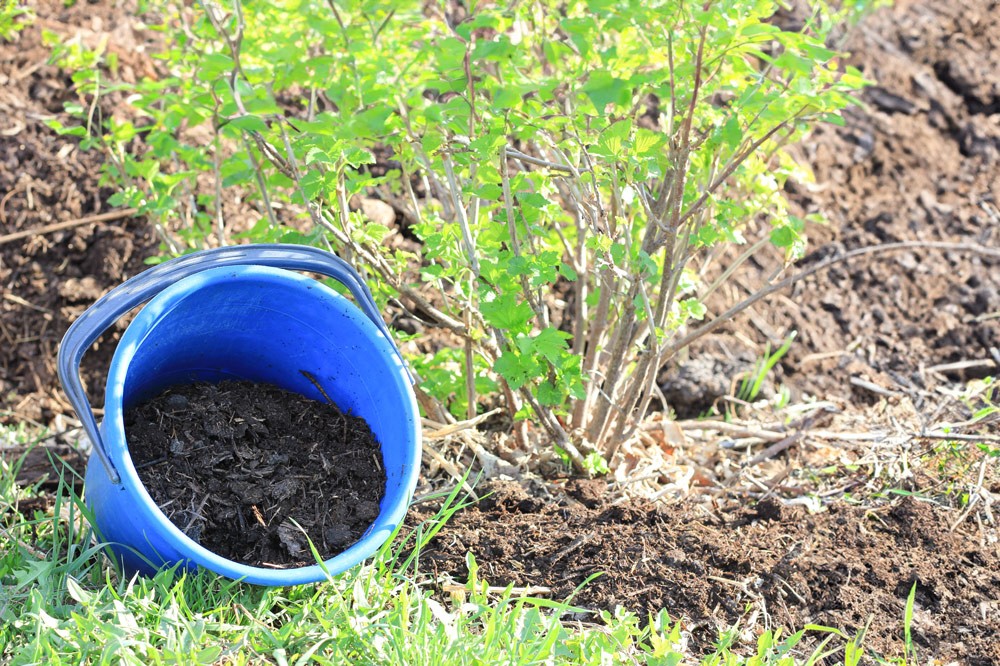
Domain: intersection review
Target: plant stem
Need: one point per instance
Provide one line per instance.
(974, 248)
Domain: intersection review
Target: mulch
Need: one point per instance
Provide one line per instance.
(255, 473)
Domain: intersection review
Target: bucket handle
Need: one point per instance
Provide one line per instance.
(133, 292)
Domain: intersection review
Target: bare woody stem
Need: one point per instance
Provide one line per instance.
(673, 347)
(671, 195)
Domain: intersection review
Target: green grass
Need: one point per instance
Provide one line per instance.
(61, 604)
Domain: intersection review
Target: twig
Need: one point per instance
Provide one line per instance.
(874, 388)
(707, 328)
(28, 548)
(555, 166)
(579, 541)
(956, 436)
(529, 590)
(452, 428)
(735, 429)
(150, 463)
(463, 219)
(964, 365)
(451, 468)
(776, 448)
(319, 387)
(261, 185)
(220, 224)
(59, 226)
(14, 298)
(973, 496)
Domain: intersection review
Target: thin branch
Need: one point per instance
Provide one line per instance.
(261, 186)
(733, 164)
(463, 220)
(515, 244)
(707, 328)
(69, 224)
(220, 226)
(293, 163)
(528, 159)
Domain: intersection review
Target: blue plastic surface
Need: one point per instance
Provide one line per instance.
(261, 324)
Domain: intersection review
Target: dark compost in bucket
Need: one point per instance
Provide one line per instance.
(244, 468)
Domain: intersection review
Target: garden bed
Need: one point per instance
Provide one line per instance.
(849, 567)
(886, 342)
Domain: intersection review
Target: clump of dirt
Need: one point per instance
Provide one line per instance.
(837, 568)
(249, 470)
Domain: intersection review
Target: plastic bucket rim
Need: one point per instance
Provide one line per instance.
(137, 331)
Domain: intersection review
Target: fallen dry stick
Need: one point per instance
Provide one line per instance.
(530, 590)
(452, 428)
(68, 224)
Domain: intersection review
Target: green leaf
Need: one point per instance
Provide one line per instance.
(489, 191)
(214, 65)
(512, 367)
(507, 97)
(783, 237)
(794, 63)
(550, 343)
(695, 308)
(492, 50)
(648, 142)
(77, 592)
(818, 53)
(248, 123)
(595, 464)
(209, 655)
(506, 312)
(549, 395)
(732, 133)
(603, 89)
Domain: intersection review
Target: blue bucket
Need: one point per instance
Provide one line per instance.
(237, 313)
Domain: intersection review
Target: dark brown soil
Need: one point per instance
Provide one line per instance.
(46, 281)
(245, 468)
(919, 163)
(42, 467)
(838, 568)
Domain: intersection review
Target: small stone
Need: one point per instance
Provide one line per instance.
(76, 290)
(243, 451)
(378, 211)
(291, 538)
(367, 511)
(277, 459)
(177, 447)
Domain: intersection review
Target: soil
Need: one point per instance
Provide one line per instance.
(919, 162)
(250, 471)
(48, 280)
(841, 568)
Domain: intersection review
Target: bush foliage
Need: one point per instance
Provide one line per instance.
(564, 165)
